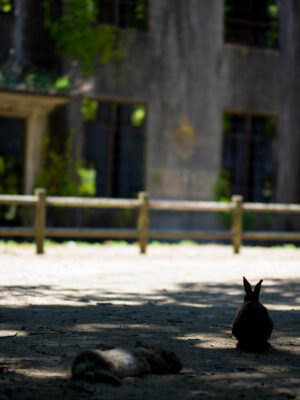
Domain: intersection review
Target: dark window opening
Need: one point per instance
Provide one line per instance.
(252, 22)
(11, 165)
(115, 147)
(6, 6)
(248, 157)
(11, 155)
(124, 13)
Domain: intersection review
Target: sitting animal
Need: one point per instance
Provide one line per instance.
(111, 366)
(252, 325)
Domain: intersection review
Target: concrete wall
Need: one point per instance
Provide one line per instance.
(288, 175)
(184, 119)
(188, 77)
(175, 68)
(250, 79)
(128, 78)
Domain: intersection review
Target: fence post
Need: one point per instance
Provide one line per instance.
(237, 222)
(40, 220)
(143, 222)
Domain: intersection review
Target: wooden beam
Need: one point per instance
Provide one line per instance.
(91, 202)
(182, 234)
(285, 236)
(18, 200)
(12, 231)
(181, 205)
(271, 207)
(91, 233)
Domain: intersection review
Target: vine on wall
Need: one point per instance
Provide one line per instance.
(6, 6)
(78, 35)
(60, 174)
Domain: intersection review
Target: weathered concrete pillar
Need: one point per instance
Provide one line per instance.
(288, 176)
(185, 116)
(35, 130)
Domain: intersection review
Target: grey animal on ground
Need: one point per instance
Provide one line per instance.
(111, 366)
(252, 325)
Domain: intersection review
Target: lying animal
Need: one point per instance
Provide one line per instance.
(112, 365)
(252, 325)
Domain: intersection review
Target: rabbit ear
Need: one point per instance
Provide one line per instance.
(247, 286)
(257, 287)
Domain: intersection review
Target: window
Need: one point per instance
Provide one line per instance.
(252, 22)
(124, 13)
(248, 157)
(115, 147)
(11, 165)
(6, 6)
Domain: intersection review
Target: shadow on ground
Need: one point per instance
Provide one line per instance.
(38, 342)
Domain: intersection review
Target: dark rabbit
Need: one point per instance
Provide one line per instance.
(252, 325)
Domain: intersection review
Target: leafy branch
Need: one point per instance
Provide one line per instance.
(77, 34)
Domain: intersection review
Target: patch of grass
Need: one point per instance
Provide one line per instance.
(157, 243)
(187, 243)
(285, 246)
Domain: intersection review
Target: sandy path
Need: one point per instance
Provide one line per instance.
(182, 297)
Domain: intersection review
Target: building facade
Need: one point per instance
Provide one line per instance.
(215, 84)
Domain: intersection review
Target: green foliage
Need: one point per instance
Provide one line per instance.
(268, 220)
(15, 77)
(57, 175)
(223, 191)
(60, 176)
(9, 167)
(272, 10)
(9, 182)
(87, 185)
(6, 6)
(270, 124)
(223, 186)
(89, 109)
(285, 246)
(142, 14)
(249, 221)
(138, 115)
(78, 35)
(227, 122)
(272, 33)
(63, 83)
(125, 216)
(187, 243)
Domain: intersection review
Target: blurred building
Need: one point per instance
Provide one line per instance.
(205, 102)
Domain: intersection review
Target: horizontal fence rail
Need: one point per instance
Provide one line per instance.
(17, 200)
(91, 202)
(189, 205)
(144, 205)
(272, 208)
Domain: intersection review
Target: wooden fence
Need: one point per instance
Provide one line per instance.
(143, 233)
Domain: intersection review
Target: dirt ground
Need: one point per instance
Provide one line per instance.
(183, 298)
